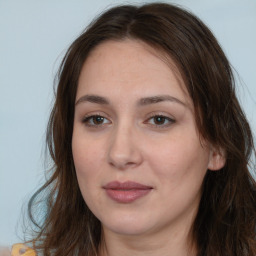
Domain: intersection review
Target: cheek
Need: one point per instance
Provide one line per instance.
(87, 159)
(179, 169)
(179, 160)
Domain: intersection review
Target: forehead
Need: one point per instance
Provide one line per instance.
(130, 67)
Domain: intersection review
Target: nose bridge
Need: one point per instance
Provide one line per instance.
(123, 146)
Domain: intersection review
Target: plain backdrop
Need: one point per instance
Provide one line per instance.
(34, 35)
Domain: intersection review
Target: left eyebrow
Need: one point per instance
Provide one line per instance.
(159, 98)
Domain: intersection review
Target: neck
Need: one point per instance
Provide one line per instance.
(179, 242)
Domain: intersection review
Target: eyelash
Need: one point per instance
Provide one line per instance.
(167, 119)
(88, 119)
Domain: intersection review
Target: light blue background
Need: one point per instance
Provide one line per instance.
(34, 36)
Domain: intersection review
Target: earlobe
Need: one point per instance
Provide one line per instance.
(217, 160)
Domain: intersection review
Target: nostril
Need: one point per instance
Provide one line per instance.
(130, 163)
(122, 165)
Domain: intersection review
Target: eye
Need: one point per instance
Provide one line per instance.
(160, 121)
(95, 120)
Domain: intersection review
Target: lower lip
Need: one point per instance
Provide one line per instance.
(126, 196)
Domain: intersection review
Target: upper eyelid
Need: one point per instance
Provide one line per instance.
(88, 119)
(167, 117)
(91, 114)
(150, 115)
(171, 120)
(160, 113)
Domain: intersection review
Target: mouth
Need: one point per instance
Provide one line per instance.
(126, 192)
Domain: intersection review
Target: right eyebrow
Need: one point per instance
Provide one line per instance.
(93, 99)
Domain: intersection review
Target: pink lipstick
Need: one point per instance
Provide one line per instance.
(126, 192)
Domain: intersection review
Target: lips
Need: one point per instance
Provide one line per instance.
(126, 192)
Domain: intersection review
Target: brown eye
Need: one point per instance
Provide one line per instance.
(160, 121)
(95, 120)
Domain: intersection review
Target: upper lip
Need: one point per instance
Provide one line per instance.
(127, 185)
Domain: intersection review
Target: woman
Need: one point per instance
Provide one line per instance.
(150, 146)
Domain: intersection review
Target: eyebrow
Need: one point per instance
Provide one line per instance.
(141, 102)
(157, 99)
(93, 99)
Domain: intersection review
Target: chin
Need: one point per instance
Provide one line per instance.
(127, 230)
(127, 225)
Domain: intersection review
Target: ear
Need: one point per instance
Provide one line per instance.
(217, 159)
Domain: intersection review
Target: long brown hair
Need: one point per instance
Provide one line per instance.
(226, 221)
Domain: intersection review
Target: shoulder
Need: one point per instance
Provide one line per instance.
(22, 250)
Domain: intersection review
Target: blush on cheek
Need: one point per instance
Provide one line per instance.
(178, 167)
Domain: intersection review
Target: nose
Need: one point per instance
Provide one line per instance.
(124, 151)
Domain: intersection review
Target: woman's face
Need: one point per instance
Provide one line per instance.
(139, 161)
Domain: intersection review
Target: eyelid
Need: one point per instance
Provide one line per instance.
(86, 120)
(88, 116)
(96, 113)
(160, 114)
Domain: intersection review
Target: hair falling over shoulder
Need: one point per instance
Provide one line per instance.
(226, 221)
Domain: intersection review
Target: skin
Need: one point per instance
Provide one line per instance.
(126, 143)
